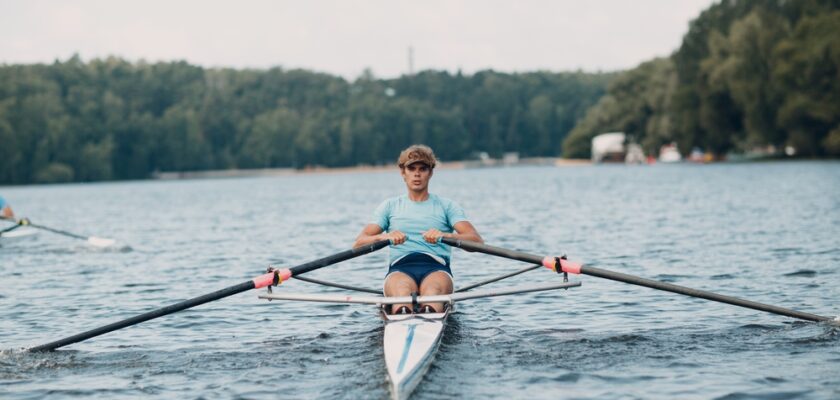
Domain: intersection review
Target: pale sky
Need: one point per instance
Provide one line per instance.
(345, 37)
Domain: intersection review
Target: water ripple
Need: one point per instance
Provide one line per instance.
(766, 235)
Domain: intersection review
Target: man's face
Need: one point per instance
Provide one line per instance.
(417, 176)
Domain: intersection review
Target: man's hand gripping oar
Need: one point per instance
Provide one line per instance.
(560, 264)
(272, 278)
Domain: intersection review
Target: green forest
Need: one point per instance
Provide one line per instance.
(113, 119)
(747, 74)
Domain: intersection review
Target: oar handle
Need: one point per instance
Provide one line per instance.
(575, 268)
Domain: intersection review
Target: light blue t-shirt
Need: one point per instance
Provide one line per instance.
(415, 217)
(2, 203)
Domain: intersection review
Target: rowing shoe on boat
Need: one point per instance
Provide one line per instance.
(410, 341)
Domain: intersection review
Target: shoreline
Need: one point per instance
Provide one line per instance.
(451, 165)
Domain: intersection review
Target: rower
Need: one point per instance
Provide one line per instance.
(5, 209)
(414, 223)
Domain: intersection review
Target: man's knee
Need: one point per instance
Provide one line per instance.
(399, 283)
(436, 283)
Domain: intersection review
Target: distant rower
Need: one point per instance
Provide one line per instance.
(6, 209)
(414, 223)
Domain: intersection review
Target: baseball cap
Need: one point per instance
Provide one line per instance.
(417, 153)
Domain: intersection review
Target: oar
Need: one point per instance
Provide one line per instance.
(575, 268)
(92, 240)
(9, 229)
(271, 278)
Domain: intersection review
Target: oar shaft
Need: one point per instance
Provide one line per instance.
(257, 282)
(9, 229)
(669, 287)
(338, 257)
(59, 231)
(25, 222)
(220, 294)
(635, 280)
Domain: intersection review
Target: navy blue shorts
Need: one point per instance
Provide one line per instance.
(418, 266)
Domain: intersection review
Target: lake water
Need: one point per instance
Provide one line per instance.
(763, 231)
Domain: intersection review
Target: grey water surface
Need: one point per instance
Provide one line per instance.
(768, 232)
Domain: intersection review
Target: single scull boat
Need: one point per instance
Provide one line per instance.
(410, 341)
(25, 225)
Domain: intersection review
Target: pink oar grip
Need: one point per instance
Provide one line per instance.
(284, 275)
(565, 265)
(548, 262)
(570, 267)
(268, 278)
(264, 280)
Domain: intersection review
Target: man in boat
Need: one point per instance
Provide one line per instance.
(6, 209)
(414, 223)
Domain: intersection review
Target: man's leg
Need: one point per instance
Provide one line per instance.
(399, 284)
(437, 282)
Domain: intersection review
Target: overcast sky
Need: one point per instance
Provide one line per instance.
(345, 37)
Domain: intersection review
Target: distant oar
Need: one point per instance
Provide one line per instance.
(92, 240)
(574, 268)
(271, 278)
(9, 229)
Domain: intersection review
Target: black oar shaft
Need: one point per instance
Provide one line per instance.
(635, 280)
(220, 294)
(59, 231)
(10, 229)
(338, 257)
(669, 287)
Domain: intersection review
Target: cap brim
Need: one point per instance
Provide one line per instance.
(410, 162)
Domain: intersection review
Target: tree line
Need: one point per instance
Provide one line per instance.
(114, 119)
(748, 74)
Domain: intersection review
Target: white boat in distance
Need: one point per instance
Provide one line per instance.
(410, 341)
(18, 233)
(669, 153)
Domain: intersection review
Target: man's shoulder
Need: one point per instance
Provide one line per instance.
(391, 201)
(394, 199)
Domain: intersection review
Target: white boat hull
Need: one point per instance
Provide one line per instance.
(410, 344)
(18, 233)
(411, 341)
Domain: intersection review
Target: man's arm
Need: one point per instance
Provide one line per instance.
(373, 233)
(464, 230)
